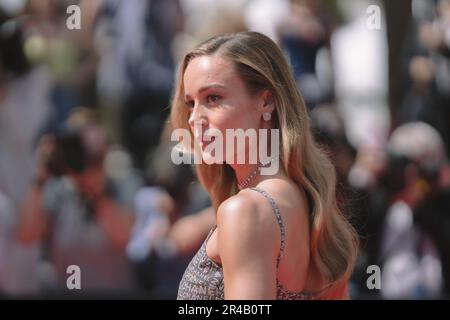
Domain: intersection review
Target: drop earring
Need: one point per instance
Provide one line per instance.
(267, 116)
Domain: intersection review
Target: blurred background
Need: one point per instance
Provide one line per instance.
(85, 175)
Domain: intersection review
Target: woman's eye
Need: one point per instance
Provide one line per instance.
(212, 98)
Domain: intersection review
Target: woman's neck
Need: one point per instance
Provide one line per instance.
(248, 175)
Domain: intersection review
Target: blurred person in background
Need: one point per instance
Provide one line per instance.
(409, 254)
(70, 55)
(135, 73)
(25, 106)
(79, 209)
(427, 67)
(304, 35)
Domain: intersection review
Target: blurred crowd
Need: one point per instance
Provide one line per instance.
(85, 171)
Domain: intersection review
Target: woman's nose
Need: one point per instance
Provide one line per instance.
(197, 116)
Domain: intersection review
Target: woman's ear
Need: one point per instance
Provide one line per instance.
(267, 102)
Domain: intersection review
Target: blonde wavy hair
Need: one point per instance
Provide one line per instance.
(262, 65)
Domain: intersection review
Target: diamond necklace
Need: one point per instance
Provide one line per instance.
(244, 184)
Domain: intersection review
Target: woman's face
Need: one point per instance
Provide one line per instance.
(218, 100)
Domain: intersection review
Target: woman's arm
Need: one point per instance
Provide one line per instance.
(249, 242)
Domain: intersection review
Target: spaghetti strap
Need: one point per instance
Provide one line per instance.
(276, 210)
(211, 232)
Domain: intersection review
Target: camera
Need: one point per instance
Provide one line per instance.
(69, 153)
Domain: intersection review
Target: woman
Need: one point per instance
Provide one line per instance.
(278, 236)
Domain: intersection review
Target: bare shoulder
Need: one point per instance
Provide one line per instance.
(246, 212)
(286, 193)
(246, 226)
(249, 210)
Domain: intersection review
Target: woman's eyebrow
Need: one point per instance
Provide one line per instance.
(210, 86)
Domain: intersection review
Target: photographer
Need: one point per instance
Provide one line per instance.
(412, 252)
(77, 211)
